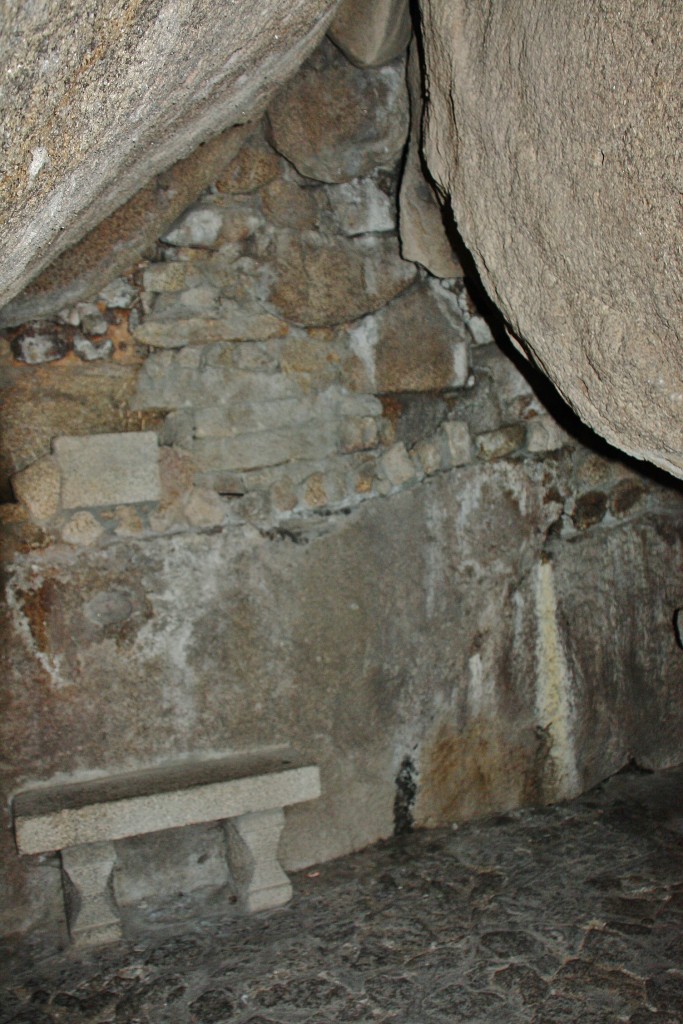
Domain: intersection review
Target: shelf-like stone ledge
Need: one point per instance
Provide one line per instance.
(83, 820)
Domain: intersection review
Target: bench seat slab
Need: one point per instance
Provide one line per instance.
(84, 820)
(104, 810)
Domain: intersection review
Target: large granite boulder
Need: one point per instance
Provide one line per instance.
(96, 103)
(555, 130)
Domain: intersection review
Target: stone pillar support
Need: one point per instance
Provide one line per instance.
(90, 909)
(252, 857)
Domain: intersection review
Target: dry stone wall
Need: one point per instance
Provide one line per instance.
(280, 484)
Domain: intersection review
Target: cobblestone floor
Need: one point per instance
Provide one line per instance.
(572, 914)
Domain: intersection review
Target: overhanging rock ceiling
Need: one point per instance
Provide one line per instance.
(553, 130)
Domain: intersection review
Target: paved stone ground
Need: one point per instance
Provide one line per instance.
(572, 914)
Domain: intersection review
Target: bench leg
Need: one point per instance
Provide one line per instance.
(252, 856)
(90, 909)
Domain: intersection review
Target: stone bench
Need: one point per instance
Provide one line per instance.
(83, 820)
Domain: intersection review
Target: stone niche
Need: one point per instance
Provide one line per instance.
(281, 482)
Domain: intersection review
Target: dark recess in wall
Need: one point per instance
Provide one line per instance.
(404, 801)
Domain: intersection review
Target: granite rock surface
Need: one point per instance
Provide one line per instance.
(555, 131)
(98, 102)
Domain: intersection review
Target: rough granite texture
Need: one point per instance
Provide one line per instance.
(332, 142)
(555, 131)
(118, 242)
(98, 98)
(108, 469)
(570, 915)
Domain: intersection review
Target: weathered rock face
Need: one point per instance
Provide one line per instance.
(555, 129)
(421, 222)
(118, 241)
(470, 656)
(95, 105)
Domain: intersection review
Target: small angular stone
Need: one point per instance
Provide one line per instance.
(176, 472)
(38, 487)
(129, 523)
(359, 206)
(118, 294)
(458, 441)
(82, 529)
(315, 493)
(496, 444)
(198, 228)
(544, 434)
(432, 455)
(397, 466)
(88, 352)
(203, 508)
(91, 319)
(359, 434)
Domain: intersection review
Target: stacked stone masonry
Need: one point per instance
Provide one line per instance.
(266, 343)
(281, 484)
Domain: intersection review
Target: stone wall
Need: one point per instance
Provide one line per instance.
(280, 485)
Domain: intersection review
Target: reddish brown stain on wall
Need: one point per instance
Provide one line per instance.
(42, 610)
(478, 770)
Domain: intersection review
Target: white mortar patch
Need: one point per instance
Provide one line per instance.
(553, 703)
(39, 158)
(363, 340)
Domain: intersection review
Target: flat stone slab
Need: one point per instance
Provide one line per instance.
(170, 796)
(108, 469)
